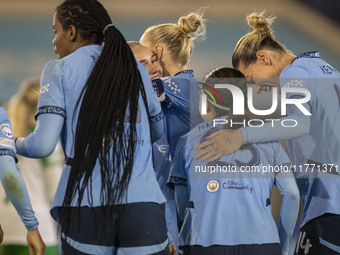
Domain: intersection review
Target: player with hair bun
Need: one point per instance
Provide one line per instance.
(177, 91)
(173, 45)
(314, 142)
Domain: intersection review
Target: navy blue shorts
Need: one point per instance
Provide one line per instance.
(244, 249)
(320, 236)
(136, 228)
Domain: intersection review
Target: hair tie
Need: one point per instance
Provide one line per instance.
(107, 27)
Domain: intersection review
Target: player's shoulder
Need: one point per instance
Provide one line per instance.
(143, 71)
(82, 57)
(6, 130)
(296, 70)
(3, 114)
(175, 81)
(308, 65)
(141, 66)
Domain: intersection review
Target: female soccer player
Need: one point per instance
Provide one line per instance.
(99, 100)
(173, 45)
(160, 149)
(41, 177)
(15, 187)
(144, 55)
(313, 143)
(229, 212)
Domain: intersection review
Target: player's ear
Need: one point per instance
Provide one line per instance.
(72, 33)
(263, 57)
(158, 50)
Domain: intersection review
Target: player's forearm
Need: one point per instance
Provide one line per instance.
(289, 209)
(182, 199)
(16, 191)
(274, 131)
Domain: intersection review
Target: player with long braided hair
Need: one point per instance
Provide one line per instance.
(100, 102)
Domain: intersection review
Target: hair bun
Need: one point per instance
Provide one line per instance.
(259, 23)
(192, 23)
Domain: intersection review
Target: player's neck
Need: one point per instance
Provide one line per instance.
(172, 69)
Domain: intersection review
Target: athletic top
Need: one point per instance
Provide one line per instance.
(11, 179)
(61, 84)
(319, 145)
(233, 208)
(180, 106)
(161, 164)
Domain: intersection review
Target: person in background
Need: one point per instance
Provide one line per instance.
(15, 187)
(40, 175)
(160, 149)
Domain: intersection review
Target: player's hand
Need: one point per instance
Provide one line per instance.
(219, 144)
(1, 235)
(35, 242)
(172, 249)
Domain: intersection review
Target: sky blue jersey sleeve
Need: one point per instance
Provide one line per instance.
(42, 142)
(155, 109)
(16, 191)
(178, 178)
(286, 183)
(51, 94)
(274, 131)
(50, 115)
(11, 179)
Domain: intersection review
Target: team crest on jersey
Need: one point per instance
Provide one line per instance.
(6, 129)
(213, 186)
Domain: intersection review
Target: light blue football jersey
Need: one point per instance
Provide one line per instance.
(7, 146)
(228, 208)
(180, 106)
(161, 163)
(61, 84)
(319, 187)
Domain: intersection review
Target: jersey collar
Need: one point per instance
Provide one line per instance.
(310, 54)
(188, 72)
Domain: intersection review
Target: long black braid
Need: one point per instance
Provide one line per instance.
(109, 98)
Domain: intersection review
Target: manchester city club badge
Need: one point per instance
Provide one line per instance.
(213, 186)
